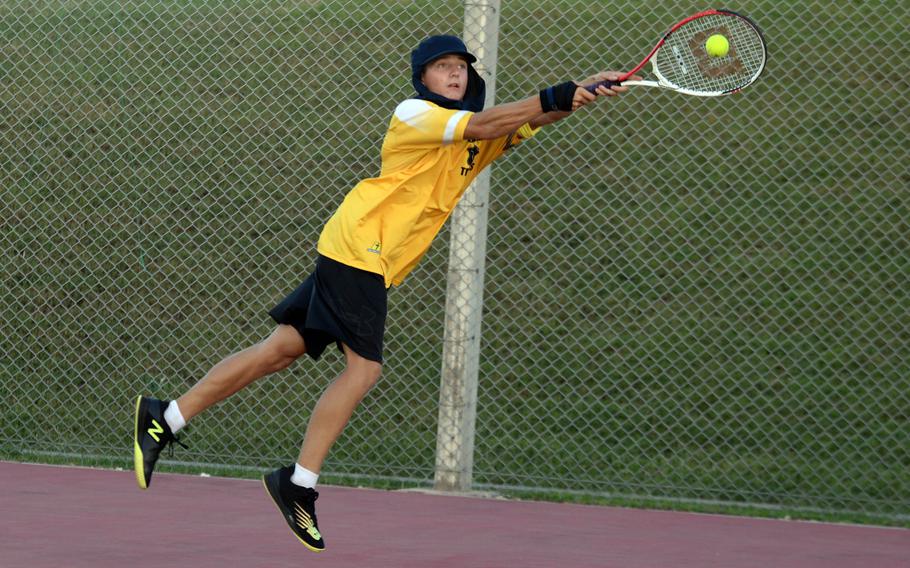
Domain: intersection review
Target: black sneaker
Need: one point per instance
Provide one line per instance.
(297, 504)
(150, 435)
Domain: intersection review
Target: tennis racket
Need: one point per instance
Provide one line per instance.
(680, 60)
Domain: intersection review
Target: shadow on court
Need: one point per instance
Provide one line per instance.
(68, 517)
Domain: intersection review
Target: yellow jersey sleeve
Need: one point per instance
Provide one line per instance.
(419, 123)
(387, 223)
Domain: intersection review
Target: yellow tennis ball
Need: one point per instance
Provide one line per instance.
(717, 46)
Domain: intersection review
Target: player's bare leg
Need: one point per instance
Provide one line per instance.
(335, 408)
(297, 501)
(233, 373)
(157, 421)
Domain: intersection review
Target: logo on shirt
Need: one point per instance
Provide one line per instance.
(473, 150)
(375, 248)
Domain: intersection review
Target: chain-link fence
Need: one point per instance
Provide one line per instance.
(684, 298)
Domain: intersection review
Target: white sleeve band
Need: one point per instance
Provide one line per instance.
(449, 136)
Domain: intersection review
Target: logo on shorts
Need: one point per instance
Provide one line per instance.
(375, 248)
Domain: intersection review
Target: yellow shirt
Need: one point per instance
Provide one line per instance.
(386, 224)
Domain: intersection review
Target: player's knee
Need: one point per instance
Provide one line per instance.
(279, 351)
(366, 373)
(373, 374)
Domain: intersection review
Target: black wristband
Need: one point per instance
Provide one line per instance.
(558, 97)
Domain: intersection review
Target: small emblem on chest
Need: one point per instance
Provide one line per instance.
(473, 150)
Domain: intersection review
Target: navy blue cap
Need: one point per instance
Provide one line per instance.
(436, 46)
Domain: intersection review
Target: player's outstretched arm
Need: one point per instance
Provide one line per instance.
(583, 96)
(502, 119)
(551, 104)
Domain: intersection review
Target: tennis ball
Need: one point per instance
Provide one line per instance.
(717, 46)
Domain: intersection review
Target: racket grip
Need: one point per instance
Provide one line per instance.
(606, 83)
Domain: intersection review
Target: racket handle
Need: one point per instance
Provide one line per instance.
(606, 83)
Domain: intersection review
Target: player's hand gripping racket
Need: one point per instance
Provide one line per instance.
(681, 60)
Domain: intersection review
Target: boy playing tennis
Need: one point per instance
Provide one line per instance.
(436, 145)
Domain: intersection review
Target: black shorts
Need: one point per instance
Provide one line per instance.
(337, 303)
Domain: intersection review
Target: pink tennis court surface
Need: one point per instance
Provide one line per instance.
(66, 517)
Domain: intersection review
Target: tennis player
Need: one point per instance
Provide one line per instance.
(437, 142)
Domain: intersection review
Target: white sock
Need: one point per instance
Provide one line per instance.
(172, 416)
(304, 477)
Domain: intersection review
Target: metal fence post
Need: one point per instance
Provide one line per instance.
(464, 289)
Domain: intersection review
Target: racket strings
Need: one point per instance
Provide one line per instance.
(684, 61)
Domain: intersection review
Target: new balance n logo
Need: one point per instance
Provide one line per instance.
(155, 430)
